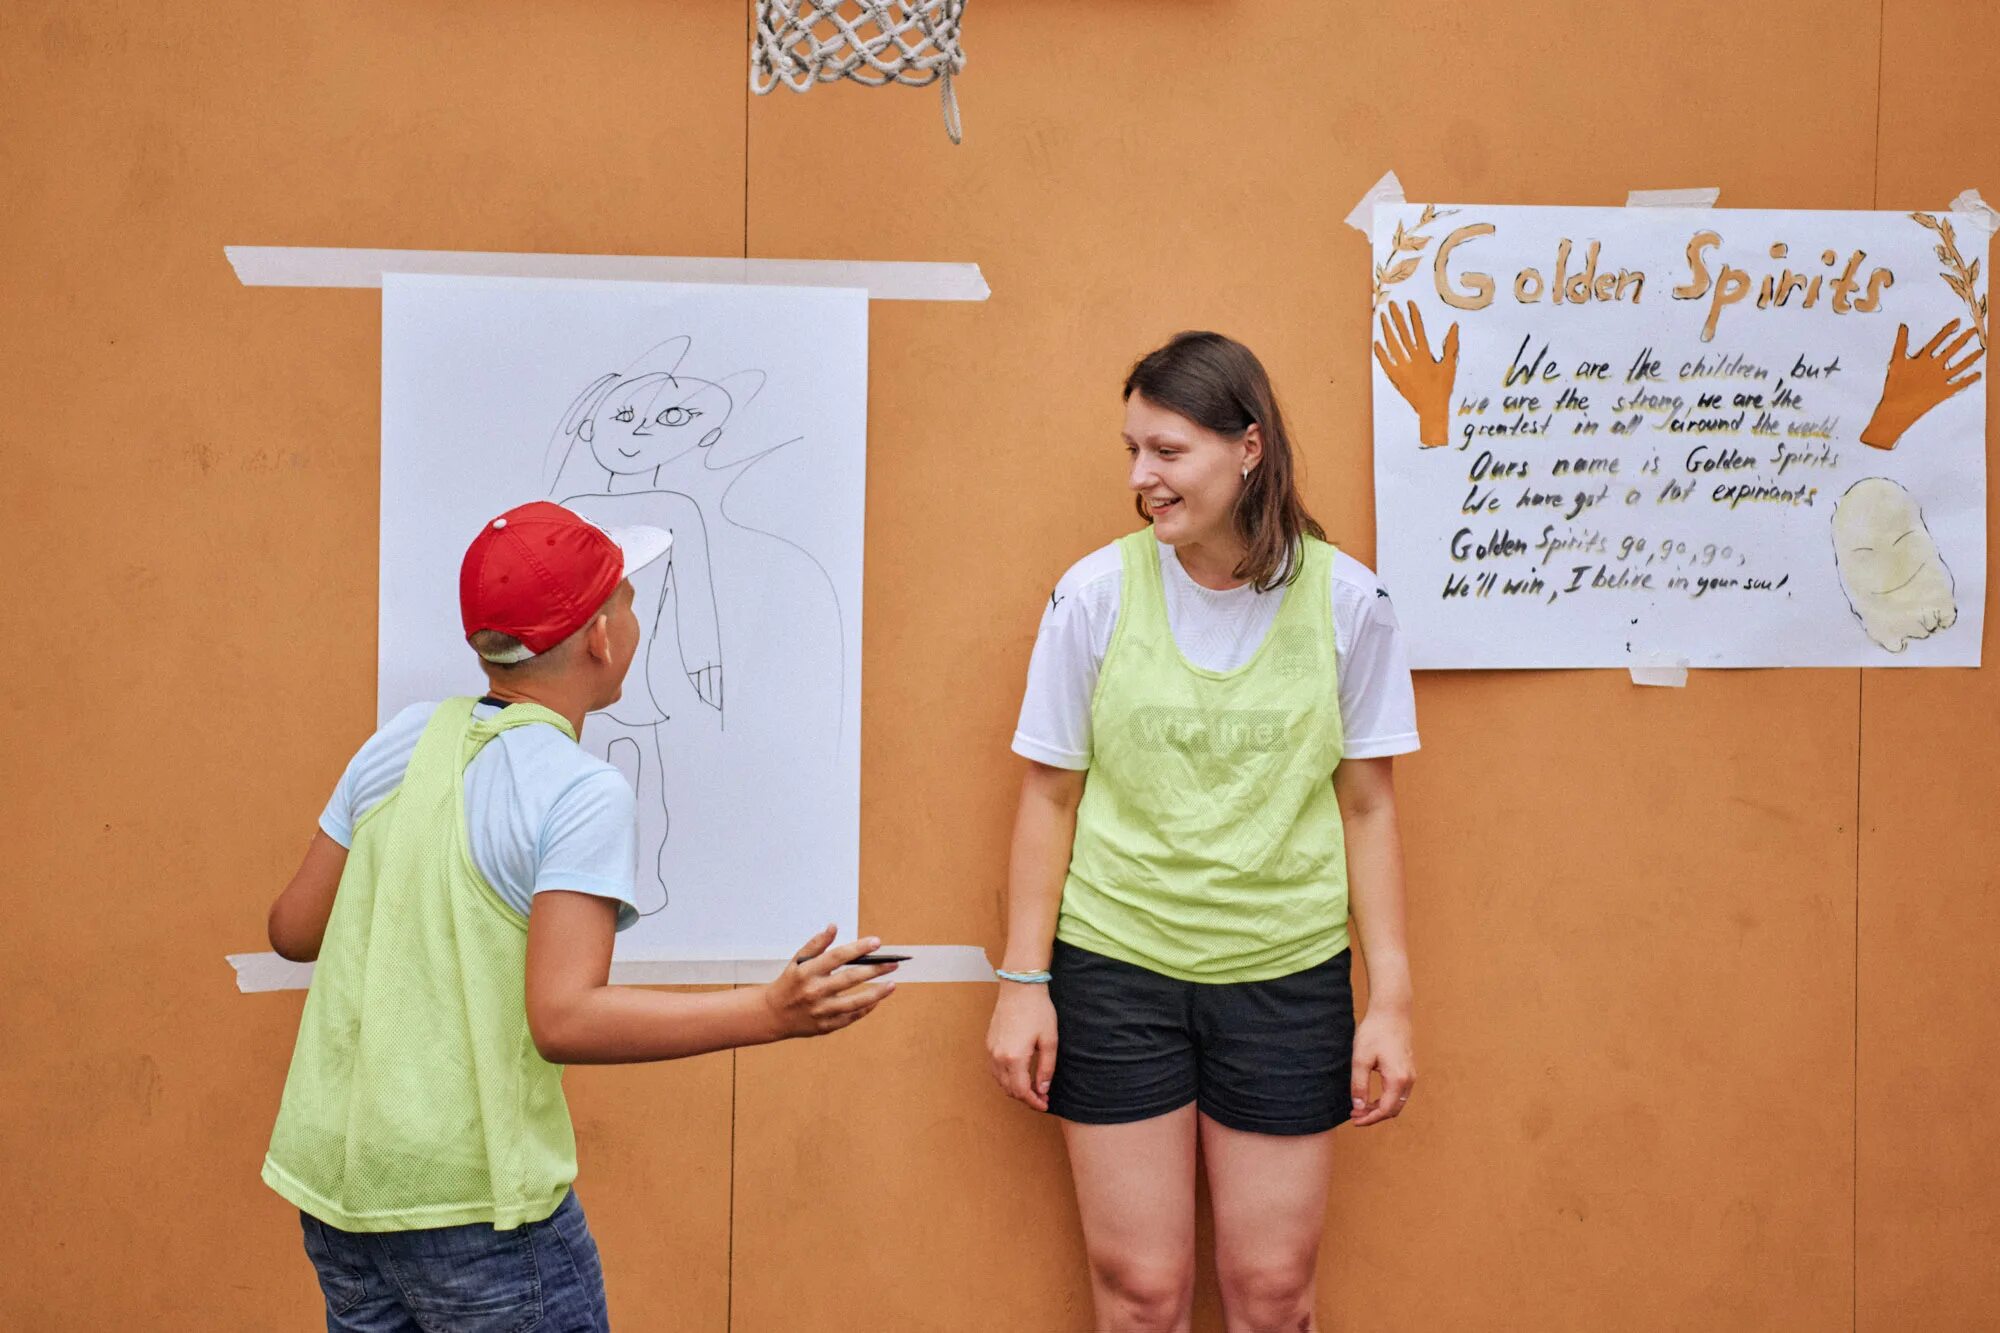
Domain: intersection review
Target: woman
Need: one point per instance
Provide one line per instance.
(1211, 709)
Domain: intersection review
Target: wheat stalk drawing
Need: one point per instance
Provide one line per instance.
(1411, 242)
(1960, 276)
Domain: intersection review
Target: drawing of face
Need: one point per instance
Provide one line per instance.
(1895, 580)
(1188, 476)
(649, 421)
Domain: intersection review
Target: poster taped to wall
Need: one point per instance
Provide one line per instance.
(1721, 437)
(734, 417)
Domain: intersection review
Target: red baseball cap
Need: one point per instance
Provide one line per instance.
(539, 572)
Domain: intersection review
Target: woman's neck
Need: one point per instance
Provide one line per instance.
(1212, 563)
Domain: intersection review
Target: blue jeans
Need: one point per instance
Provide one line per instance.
(540, 1278)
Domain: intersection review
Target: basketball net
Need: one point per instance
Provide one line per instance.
(875, 42)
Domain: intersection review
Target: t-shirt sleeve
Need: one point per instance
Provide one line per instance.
(590, 842)
(375, 771)
(1378, 705)
(337, 820)
(1054, 726)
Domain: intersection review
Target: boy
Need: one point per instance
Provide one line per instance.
(460, 899)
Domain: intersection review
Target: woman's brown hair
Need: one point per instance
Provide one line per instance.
(1219, 384)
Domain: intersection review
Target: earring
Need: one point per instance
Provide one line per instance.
(1246, 474)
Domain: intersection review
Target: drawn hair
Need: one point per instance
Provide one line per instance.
(1218, 383)
(660, 366)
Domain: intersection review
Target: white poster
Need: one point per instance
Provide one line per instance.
(1614, 437)
(736, 418)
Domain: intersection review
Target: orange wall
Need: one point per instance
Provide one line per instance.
(1705, 997)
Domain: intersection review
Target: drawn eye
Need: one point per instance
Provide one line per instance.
(624, 414)
(677, 416)
(1899, 541)
(1859, 549)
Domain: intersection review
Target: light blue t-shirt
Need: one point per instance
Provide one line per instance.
(540, 812)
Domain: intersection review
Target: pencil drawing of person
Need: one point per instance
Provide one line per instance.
(644, 442)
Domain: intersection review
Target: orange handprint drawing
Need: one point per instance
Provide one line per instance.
(1405, 354)
(1916, 383)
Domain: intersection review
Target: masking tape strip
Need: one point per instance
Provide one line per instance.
(1674, 676)
(1388, 190)
(1969, 202)
(1704, 197)
(928, 962)
(1670, 672)
(885, 280)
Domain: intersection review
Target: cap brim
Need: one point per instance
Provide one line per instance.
(640, 545)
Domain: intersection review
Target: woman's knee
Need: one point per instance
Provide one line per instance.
(1267, 1291)
(1143, 1293)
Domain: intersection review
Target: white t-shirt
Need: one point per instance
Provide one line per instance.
(1217, 630)
(541, 812)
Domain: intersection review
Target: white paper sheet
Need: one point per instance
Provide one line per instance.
(735, 417)
(1641, 436)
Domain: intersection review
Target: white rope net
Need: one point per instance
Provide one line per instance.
(876, 42)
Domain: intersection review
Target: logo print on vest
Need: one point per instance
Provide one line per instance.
(1294, 652)
(1209, 732)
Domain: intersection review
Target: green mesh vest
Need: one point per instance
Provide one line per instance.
(416, 1097)
(1208, 844)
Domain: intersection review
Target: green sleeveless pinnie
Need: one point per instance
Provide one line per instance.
(416, 1097)
(1208, 842)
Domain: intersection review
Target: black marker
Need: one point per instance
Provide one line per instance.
(866, 960)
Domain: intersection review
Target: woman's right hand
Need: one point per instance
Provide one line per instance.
(1021, 1043)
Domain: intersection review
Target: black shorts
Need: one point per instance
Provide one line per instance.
(1267, 1057)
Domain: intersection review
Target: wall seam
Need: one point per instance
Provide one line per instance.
(1854, 1179)
(1860, 740)
(729, 1260)
(729, 1305)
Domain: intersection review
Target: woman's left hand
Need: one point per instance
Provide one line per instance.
(1382, 1046)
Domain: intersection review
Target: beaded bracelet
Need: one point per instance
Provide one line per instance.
(1025, 978)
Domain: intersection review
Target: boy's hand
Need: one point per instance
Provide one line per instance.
(816, 995)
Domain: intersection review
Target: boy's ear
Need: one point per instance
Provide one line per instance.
(597, 639)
